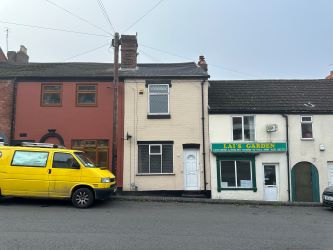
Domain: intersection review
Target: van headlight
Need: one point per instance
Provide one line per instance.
(105, 180)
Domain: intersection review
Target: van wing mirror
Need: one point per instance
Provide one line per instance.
(76, 165)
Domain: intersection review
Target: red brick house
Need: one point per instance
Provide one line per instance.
(6, 103)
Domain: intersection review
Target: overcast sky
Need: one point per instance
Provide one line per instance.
(241, 39)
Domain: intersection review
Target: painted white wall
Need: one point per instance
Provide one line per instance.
(308, 150)
(184, 127)
(220, 131)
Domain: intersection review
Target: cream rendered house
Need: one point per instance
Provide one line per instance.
(166, 128)
(271, 139)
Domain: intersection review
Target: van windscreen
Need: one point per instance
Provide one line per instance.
(85, 160)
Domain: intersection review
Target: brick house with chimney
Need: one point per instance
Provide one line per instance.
(72, 104)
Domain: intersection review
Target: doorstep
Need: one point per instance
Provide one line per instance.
(212, 201)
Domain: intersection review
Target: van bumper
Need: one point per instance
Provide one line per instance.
(105, 193)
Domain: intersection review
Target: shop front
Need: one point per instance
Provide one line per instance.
(250, 171)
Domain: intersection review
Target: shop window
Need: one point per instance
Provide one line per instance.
(243, 128)
(86, 95)
(96, 150)
(51, 95)
(155, 158)
(158, 99)
(30, 159)
(236, 174)
(306, 126)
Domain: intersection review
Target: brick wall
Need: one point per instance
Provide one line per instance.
(6, 106)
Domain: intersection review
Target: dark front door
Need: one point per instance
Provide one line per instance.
(305, 182)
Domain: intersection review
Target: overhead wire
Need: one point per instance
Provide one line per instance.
(154, 59)
(105, 14)
(77, 16)
(214, 65)
(86, 52)
(139, 19)
(54, 29)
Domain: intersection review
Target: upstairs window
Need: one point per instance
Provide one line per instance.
(86, 95)
(306, 127)
(51, 94)
(243, 128)
(155, 158)
(158, 99)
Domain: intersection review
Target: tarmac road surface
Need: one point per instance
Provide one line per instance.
(50, 224)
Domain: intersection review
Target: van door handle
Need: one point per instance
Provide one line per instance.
(49, 171)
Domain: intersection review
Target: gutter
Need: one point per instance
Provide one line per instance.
(203, 132)
(287, 153)
(12, 129)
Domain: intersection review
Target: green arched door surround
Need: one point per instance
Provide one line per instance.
(305, 182)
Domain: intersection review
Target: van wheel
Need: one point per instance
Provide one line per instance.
(83, 198)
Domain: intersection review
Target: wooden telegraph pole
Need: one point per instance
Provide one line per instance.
(115, 44)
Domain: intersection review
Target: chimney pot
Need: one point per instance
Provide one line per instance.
(330, 76)
(202, 63)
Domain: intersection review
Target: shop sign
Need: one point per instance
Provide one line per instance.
(249, 147)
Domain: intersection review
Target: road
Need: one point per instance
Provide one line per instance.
(44, 224)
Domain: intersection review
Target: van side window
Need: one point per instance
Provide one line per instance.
(30, 159)
(63, 160)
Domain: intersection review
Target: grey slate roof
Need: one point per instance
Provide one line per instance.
(91, 70)
(271, 96)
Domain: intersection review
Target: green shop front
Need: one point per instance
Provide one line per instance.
(250, 171)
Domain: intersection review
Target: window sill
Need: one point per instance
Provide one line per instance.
(238, 189)
(157, 174)
(158, 116)
(307, 139)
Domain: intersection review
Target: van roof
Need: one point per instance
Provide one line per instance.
(38, 149)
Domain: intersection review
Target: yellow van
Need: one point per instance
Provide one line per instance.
(46, 170)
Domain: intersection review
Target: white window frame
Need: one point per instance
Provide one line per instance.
(160, 154)
(235, 168)
(307, 122)
(149, 94)
(232, 127)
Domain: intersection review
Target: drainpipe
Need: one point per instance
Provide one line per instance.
(12, 129)
(287, 153)
(203, 132)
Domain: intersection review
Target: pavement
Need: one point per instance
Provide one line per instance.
(120, 224)
(212, 201)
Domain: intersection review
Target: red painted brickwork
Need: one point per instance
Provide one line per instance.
(6, 107)
(70, 121)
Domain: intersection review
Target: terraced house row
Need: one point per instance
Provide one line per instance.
(177, 132)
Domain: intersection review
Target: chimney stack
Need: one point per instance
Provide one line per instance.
(202, 63)
(20, 57)
(129, 46)
(330, 76)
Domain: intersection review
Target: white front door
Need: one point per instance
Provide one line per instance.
(191, 169)
(270, 183)
(330, 173)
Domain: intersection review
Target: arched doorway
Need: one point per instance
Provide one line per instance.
(305, 182)
(52, 137)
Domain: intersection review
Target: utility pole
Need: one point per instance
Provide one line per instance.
(115, 44)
